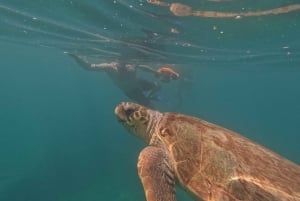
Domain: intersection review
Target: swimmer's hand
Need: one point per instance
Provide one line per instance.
(80, 60)
(71, 54)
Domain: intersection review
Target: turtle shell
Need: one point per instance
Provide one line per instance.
(211, 162)
(215, 163)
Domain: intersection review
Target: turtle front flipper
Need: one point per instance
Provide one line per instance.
(156, 174)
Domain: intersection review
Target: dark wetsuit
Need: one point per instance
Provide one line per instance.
(135, 88)
(124, 76)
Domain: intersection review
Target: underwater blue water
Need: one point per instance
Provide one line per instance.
(59, 138)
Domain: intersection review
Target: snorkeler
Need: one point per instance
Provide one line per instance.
(124, 76)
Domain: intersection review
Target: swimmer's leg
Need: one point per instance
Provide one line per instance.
(138, 96)
(153, 93)
(151, 88)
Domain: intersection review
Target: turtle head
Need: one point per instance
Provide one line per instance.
(136, 118)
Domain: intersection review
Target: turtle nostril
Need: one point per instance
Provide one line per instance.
(128, 111)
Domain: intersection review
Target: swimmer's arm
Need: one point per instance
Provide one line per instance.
(84, 63)
(112, 65)
(147, 69)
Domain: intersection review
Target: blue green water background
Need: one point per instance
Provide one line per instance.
(59, 138)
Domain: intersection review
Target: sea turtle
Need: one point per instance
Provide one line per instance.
(211, 162)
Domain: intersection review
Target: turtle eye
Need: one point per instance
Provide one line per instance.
(129, 112)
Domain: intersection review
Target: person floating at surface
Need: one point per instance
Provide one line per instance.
(124, 76)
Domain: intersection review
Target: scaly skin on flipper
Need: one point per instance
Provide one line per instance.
(211, 162)
(156, 174)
